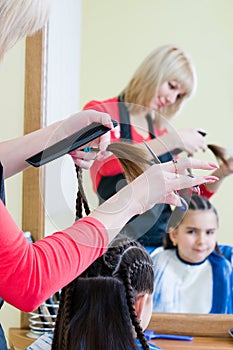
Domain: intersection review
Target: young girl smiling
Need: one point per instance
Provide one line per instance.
(191, 274)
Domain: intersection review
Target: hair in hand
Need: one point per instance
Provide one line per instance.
(133, 158)
(134, 161)
(219, 152)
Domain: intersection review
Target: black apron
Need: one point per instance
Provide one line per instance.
(150, 227)
(3, 345)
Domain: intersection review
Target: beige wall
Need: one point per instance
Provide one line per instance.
(117, 35)
(12, 102)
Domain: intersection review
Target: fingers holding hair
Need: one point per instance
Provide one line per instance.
(182, 164)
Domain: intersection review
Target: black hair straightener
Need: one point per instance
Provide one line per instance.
(70, 143)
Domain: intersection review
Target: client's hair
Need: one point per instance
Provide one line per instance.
(97, 310)
(134, 160)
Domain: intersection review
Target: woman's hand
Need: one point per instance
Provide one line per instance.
(155, 185)
(222, 172)
(191, 141)
(158, 183)
(80, 120)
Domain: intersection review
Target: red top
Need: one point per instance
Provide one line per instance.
(111, 166)
(30, 273)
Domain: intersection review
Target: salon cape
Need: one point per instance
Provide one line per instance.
(179, 286)
(45, 343)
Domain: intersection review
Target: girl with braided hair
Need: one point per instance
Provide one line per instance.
(109, 304)
(193, 274)
(105, 312)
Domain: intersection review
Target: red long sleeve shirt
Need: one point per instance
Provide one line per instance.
(30, 273)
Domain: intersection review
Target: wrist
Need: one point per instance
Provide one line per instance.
(222, 172)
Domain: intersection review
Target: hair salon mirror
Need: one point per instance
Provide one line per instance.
(90, 51)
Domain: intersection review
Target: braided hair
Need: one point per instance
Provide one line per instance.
(137, 276)
(125, 270)
(132, 159)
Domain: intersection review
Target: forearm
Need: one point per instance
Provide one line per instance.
(221, 173)
(163, 144)
(118, 210)
(14, 152)
(30, 273)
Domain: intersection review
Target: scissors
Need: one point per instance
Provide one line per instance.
(156, 160)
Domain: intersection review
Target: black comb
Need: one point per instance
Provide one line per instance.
(70, 143)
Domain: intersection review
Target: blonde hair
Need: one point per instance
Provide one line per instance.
(19, 18)
(166, 63)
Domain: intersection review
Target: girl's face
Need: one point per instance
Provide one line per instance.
(167, 95)
(195, 237)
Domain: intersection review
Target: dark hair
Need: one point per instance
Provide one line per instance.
(219, 152)
(195, 202)
(98, 312)
(97, 309)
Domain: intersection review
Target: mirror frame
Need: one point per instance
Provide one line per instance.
(33, 207)
(199, 325)
(33, 178)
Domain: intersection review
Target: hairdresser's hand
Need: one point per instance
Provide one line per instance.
(156, 185)
(79, 121)
(191, 141)
(222, 172)
(226, 169)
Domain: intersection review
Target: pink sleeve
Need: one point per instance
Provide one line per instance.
(30, 273)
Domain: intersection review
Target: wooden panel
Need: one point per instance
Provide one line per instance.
(192, 324)
(18, 338)
(198, 343)
(33, 212)
(33, 178)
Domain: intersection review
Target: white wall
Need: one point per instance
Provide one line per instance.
(62, 101)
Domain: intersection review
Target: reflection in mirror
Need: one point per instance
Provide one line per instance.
(147, 28)
(193, 273)
(110, 54)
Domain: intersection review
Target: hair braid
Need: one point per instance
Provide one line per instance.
(81, 200)
(114, 252)
(130, 296)
(63, 318)
(135, 269)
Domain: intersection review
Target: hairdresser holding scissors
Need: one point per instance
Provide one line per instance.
(30, 273)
